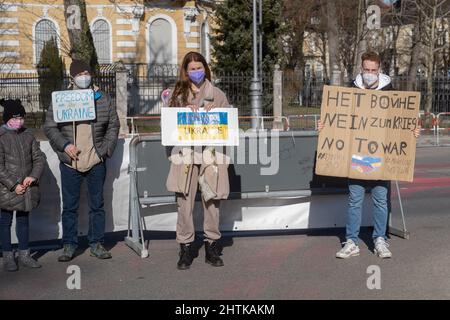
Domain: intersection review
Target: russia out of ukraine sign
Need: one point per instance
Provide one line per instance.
(181, 126)
(73, 105)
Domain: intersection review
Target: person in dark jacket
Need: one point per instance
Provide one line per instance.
(21, 165)
(95, 142)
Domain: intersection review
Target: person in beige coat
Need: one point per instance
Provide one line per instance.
(206, 167)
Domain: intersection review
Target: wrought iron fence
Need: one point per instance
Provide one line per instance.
(301, 95)
(306, 92)
(301, 91)
(147, 82)
(145, 86)
(236, 86)
(440, 94)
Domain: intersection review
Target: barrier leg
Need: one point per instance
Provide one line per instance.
(136, 241)
(437, 135)
(394, 231)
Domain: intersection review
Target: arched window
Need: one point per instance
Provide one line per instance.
(204, 42)
(102, 40)
(160, 42)
(43, 32)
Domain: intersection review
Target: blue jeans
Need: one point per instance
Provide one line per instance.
(355, 201)
(21, 229)
(71, 180)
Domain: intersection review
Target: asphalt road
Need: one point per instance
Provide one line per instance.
(287, 266)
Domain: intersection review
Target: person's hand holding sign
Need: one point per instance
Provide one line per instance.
(20, 189)
(72, 151)
(209, 107)
(193, 107)
(416, 131)
(320, 125)
(28, 181)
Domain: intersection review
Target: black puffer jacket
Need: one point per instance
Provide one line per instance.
(20, 157)
(105, 130)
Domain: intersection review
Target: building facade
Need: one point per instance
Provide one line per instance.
(134, 32)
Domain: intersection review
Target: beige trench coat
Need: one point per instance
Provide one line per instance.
(181, 158)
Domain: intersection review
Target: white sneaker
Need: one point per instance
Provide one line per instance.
(350, 249)
(381, 248)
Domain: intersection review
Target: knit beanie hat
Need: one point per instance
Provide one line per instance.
(12, 109)
(78, 66)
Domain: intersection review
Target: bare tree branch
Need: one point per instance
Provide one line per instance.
(441, 48)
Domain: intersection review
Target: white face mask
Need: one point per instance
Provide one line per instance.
(369, 78)
(83, 81)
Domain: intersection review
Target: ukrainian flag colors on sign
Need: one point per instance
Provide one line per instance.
(183, 127)
(202, 125)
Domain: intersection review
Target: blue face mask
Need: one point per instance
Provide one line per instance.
(197, 76)
(370, 78)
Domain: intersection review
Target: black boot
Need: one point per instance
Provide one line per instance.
(212, 254)
(185, 257)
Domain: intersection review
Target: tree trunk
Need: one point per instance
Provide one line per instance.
(446, 52)
(80, 37)
(323, 43)
(430, 63)
(415, 58)
(333, 43)
(360, 43)
(396, 32)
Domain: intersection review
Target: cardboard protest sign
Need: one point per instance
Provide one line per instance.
(73, 105)
(183, 127)
(367, 134)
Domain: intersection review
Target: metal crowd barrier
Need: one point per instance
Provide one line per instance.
(425, 118)
(149, 166)
(440, 128)
(303, 117)
(263, 118)
(133, 130)
(431, 125)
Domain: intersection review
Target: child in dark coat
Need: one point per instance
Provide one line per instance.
(21, 165)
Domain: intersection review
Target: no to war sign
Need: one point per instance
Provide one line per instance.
(183, 127)
(73, 105)
(368, 134)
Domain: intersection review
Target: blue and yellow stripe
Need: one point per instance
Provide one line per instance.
(202, 125)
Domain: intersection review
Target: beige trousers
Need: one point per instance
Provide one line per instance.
(185, 220)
